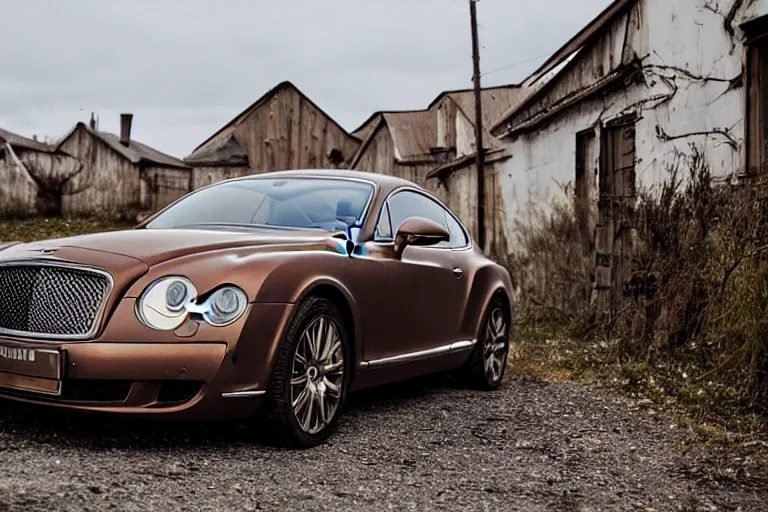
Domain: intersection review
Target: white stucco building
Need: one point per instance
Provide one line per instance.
(641, 88)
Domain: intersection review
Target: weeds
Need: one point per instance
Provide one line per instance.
(693, 321)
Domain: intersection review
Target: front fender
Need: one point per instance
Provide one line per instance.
(359, 281)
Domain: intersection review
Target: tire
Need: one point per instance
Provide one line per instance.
(492, 340)
(324, 381)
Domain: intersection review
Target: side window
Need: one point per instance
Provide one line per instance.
(458, 238)
(411, 204)
(384, 227)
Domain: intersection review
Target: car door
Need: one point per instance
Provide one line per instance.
(425, 285)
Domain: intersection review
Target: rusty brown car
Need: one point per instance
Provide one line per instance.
(268, 297)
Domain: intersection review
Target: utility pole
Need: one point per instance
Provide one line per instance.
(478, 129)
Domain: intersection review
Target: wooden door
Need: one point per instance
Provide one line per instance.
(614, 242)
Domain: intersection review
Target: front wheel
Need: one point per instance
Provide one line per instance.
(488, 362)
(308, 387)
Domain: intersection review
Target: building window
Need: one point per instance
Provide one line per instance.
(617, 161)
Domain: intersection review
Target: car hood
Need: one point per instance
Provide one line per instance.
(153, 246)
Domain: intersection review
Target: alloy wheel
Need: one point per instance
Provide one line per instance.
(317, 375)
(496, 345)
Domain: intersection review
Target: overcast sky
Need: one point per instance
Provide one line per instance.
(186, 67)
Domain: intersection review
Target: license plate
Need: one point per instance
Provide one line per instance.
(30, 369)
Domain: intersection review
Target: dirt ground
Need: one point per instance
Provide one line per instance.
(424, 445)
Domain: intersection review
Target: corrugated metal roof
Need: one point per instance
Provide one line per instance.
(495, 101)
(413, 133)
(19, 141)
(366, 127)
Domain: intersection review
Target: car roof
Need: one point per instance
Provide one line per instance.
(381, 180)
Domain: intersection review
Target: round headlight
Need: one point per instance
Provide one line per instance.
(226, 305)
(162, 306)
(175, 295)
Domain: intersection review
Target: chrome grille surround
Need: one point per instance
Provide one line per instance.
(52, 300)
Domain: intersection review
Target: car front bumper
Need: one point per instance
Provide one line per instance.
(134, 371)
(184, 381)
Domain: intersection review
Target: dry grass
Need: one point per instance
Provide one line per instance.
(693, 328)
(28, 230)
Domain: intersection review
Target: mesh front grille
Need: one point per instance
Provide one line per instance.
(51, 301)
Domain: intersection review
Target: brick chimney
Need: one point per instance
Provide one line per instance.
(125, 129)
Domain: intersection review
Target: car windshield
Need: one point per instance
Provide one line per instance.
(314, 203)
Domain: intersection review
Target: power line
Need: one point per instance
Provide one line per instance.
(532, 59)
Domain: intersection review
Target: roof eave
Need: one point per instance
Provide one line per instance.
(582, 38)
(492, 155)
(604, 83)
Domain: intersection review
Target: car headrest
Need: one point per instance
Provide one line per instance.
(345, 208)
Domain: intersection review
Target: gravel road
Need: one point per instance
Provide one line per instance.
(422, 445)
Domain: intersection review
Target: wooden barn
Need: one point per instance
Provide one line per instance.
(120, 177)
(436, 149)
(33, 176)
(282, 130)
(401, 144)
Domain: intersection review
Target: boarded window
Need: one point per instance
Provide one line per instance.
(617, 161)
(757, 101)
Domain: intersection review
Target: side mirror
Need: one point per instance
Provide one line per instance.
(419, 231)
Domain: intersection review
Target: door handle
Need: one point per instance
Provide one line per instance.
(458, 272)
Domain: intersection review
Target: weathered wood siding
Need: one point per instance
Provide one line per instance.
(18, 192)
(458, 191)
(286, 132)
(160, 186)
(33, 182)
(465, 135)
(379, 157)
(446, 124)
(108, 184)
(204, 176)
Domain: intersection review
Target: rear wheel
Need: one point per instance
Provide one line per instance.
(488, 362)
(308, 387)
